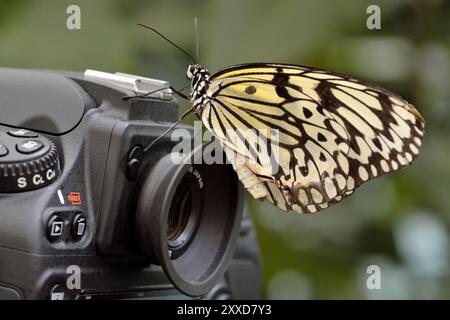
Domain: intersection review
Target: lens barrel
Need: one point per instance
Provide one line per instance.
(188, 220)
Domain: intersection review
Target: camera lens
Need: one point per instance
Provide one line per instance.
(184, 215)
(178, 216)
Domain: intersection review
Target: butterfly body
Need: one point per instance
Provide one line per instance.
(199, 78)
(332, 132)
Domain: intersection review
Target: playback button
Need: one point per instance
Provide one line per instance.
(55, 228)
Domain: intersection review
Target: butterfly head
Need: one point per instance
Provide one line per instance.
(192, 70)
(199, 78)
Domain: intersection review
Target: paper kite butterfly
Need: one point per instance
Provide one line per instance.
(332, 132)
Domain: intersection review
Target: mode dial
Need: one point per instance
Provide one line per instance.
(28, 161)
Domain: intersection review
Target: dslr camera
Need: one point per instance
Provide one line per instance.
(87, 213)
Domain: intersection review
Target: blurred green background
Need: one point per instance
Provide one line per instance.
(398, 222)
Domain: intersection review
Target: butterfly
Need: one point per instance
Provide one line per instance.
(332, 132)
(335, 132)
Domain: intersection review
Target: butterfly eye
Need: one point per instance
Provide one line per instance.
(190, 71)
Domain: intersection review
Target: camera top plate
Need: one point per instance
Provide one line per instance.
(40, 101)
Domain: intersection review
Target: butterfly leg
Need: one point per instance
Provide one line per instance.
(148, 94)
(285, 190)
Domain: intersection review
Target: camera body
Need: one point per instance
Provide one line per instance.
(87, 213)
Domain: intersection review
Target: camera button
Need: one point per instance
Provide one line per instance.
(55, 228)
(22, 133)
(79, 226)
(57, 293)
(29, 146)
(3, 150)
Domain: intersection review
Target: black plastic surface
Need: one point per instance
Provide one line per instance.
(41, 101)
(7, 293)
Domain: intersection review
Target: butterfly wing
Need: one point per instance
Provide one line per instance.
(307, 137)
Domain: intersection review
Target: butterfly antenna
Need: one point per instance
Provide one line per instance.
(190, 110)
(171, 42)
(196, 37)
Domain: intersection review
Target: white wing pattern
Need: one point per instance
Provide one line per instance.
(305, 138)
